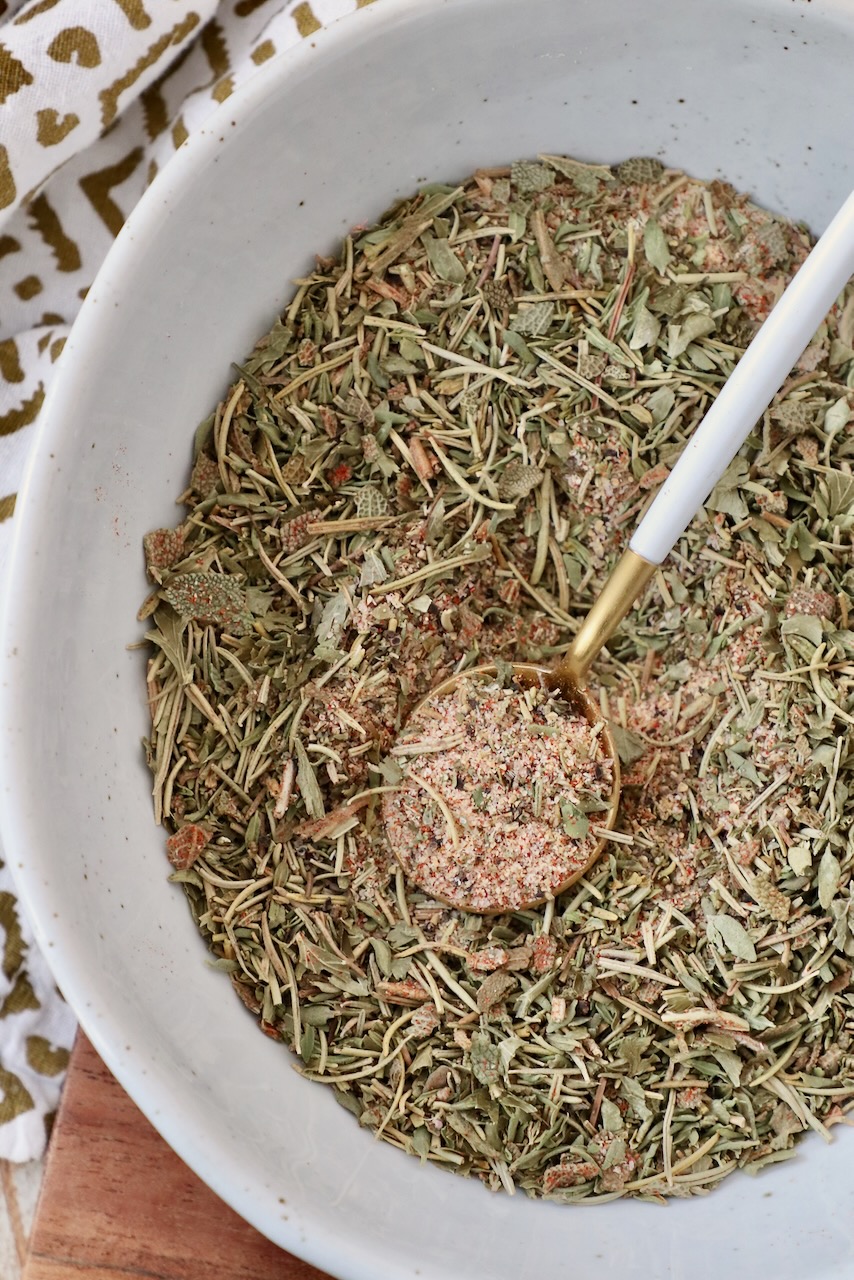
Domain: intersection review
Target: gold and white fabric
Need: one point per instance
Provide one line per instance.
(95, 97)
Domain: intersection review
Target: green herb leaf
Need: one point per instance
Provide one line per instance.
(645, 331)
(839, 485)
(575, 822)
(837, 416)
(727, 496)
(206, 597)
(661, 403)
(615, 1154)
(443, 260)
(307, 783)
(632, 1091)
(485, 1059)
(611, 1117)
(799, 857)
(383, 953)
(655, 246)
(421, 1141)
(728, 934)
(533, 320)
(373, 569)
(333, 619)
(805, 625)
(731, 1063)
(529, 178)
(680, 336)
(517, 224)
(391, 771)
(829, 878)
(588, 178)
(629, 746)
(517, 344)
(744, 767)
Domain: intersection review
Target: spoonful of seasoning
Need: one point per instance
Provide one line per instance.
(511, 778)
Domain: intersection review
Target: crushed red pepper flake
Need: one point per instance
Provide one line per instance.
(186, 845)
(339, 475)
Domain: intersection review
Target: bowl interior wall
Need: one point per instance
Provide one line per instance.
(756, 91)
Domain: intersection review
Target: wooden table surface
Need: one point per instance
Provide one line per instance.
(118, 1204)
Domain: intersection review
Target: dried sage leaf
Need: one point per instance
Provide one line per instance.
(533, 320)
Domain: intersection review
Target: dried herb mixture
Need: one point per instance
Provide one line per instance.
(432, 460)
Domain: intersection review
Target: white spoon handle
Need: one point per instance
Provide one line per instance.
(759, 373)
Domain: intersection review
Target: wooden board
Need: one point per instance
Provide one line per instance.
(117, 1203)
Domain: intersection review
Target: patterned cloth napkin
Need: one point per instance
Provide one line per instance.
(95, 97)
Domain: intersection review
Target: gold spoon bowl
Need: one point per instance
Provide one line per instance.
(568, 679)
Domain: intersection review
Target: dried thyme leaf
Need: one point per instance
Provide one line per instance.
(803, 627)
(660, 403)
(517, 344)
(655, 246)
(680, 336)
(373, 569)
(574, 821)
(728, 934)
(611, 1117)
(457, 1121)
(840, 490)
(731, 1063)
(307, 783)
(632, 1091)
(645, 332)
(391, 772)
(743, 767)
(443, 260)
(728, 494)
(333, 619)
(829, 879)
(629, 746)
(799, 857)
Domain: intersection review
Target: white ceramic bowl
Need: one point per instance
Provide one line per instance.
(758, 91)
